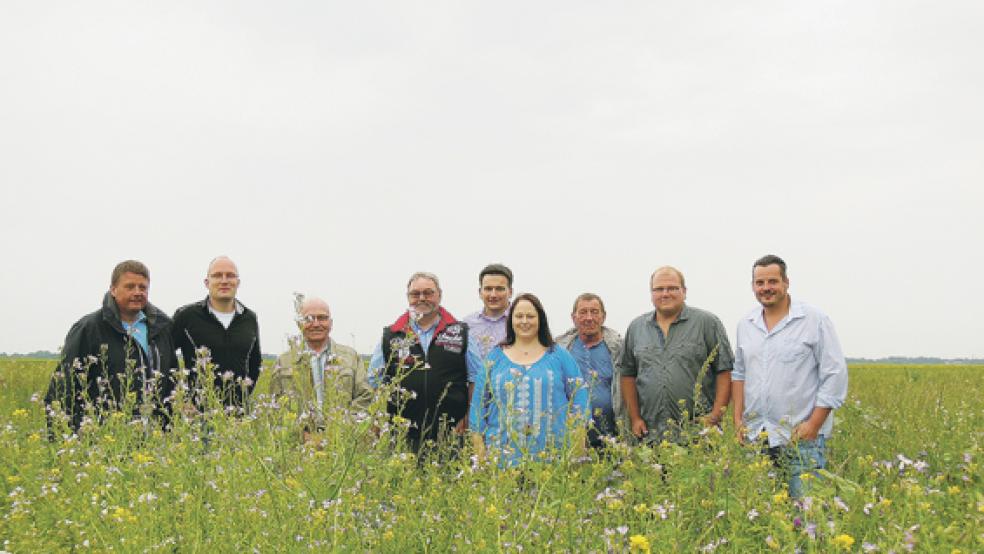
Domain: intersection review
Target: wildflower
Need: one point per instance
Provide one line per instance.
(843, 541)
(772, 543)
(868, 547)
(752, 514)
(622, 529)
(639, 543)
(490, 510)
(840, 504)
(19, 412)
(953, 490)
(811, 530)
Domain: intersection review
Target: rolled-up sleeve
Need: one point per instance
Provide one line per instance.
(627, 365)
(725, 359)
(832, 367)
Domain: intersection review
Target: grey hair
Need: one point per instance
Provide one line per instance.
(424, 275)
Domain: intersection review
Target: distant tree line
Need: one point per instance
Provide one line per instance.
(916, 361)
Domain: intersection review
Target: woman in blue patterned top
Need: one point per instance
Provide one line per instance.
(528, 391)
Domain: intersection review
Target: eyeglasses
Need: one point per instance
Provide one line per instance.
(671, 290)
(311, 318)
(219, 275)
(418, 294)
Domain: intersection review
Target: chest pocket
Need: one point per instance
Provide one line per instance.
(794, 351)
(688, 355)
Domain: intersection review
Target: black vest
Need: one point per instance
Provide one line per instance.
(439, 380)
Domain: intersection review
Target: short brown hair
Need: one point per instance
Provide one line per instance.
(671, 269)
(588, 297)
(496, 269)
(128, 266)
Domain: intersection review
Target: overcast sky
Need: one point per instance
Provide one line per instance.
(336, 147)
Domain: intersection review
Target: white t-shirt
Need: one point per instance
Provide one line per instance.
(224, 318)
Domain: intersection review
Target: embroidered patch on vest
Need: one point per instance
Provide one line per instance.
(450, 339)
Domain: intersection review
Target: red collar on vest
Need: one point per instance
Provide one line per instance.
(403, 323)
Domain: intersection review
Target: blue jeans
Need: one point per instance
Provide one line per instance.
(795, 459)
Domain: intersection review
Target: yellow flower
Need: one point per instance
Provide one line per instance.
(34, 437)
(885, 502)
(772, 543)
(490, 510)
(843, 540)
(953, 490)
(639, 543)
(781, 497)
(141, 458)
(13, 479)
(614, 504)
(570, 507)
(19, 412)
(388, 535)
(640, 508)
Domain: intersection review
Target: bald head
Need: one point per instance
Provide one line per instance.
(224, 262)
(311, 305)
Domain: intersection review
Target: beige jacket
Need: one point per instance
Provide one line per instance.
(346, 381)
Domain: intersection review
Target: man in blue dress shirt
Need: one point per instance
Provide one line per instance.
(789, 375)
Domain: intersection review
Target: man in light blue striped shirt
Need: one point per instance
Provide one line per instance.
(789, 375)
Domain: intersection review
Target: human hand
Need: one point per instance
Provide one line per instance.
(805, 431)
(639, 428)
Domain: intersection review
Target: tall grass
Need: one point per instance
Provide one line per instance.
(906, 451)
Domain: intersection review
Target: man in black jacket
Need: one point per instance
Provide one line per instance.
(229, 331)
(123, 347)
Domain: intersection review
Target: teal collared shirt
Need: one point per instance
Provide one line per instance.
(138, 330)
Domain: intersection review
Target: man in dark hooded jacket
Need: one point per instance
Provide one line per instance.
(123, 347)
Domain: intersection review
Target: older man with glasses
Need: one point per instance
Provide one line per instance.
(319, 376)
(665, 351)
(426, 351)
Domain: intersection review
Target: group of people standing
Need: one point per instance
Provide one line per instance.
(499, 374)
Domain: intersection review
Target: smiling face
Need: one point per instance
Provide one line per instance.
(315, 323)
(423, 296)
(588, 318)
(495, 294)
(771, 288)
(668, 293)
(130, 292)
(525, 320)
(222, 280)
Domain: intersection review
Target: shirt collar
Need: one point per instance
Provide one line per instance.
(481, 315)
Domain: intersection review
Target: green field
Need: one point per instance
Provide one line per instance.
(907, 449)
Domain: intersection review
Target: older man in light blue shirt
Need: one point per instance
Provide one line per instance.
(789, 375)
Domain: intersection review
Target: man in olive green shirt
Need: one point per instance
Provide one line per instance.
(661, 363)
(317, 373)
